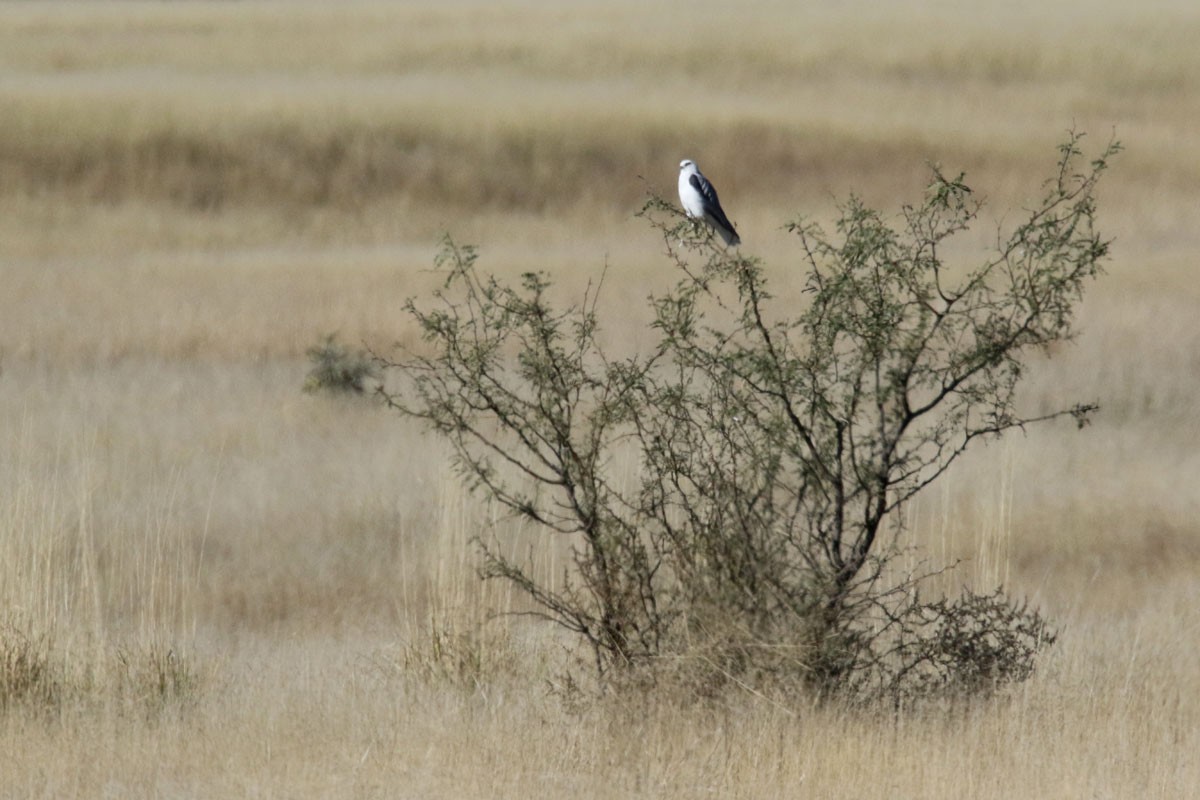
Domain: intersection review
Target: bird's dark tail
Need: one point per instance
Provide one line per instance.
(726, 229)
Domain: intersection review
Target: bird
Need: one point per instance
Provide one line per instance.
(700, 201)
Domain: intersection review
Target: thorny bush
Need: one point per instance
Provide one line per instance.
(774, 445)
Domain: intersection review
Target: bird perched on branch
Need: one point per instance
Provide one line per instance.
(700, 201)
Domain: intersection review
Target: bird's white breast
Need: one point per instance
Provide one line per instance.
(693, 203)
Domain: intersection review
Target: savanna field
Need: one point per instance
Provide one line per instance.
(213, 584)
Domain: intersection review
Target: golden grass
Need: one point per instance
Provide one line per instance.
(205, 106)
(192, 194)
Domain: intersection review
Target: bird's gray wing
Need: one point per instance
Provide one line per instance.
(712, 204)
(706, 190)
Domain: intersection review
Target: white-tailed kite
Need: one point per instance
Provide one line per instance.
(700, 201)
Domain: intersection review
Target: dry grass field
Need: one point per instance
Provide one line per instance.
(215, 585)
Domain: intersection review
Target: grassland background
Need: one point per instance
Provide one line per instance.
(191, 194)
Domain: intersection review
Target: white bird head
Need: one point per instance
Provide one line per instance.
(687, 162)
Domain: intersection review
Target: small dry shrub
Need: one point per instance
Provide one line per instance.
(37, 676)
(29, 675)
(154, 678)
(339, 369)
(445, 652)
